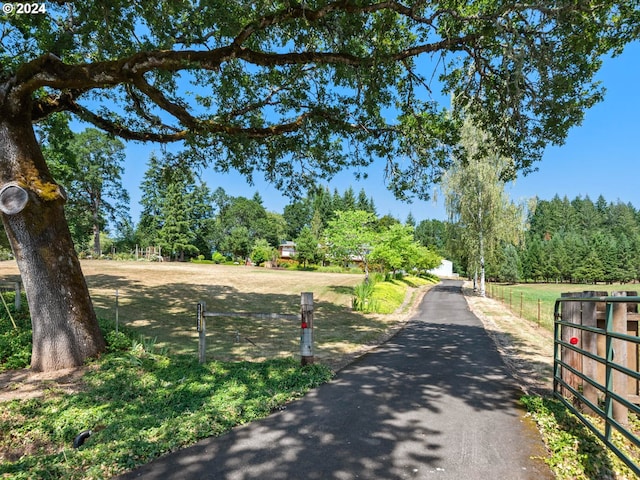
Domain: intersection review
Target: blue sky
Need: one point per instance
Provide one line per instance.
(600, 157)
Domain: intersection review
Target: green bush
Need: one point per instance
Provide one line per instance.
(203, 262)
(15, 343)
(117, 341)
(262, 252)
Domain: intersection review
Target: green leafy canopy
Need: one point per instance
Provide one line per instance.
(299, 90)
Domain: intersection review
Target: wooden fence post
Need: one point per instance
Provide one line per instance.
(521, 304)
(620, 412)
(590, 344)
(539, 312)
(18, 300)
(306, 323)
(202, 331)
(571, 314)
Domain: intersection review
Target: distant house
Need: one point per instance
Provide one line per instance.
(287, 249)
(444, 270)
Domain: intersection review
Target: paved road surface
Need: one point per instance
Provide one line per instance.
(435, 402)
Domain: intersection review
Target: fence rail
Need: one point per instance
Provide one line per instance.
(596, 363)
(264, 316)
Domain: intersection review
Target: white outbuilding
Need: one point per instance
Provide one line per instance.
(444, 270)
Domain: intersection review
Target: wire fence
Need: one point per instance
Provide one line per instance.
(528, 307)
(231, 336)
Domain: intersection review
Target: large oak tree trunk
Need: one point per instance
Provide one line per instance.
(65, 328)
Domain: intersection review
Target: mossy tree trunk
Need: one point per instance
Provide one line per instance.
(65, 328)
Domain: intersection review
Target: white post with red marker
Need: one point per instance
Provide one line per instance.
(306, 325)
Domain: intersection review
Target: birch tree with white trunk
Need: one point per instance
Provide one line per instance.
(475, 200)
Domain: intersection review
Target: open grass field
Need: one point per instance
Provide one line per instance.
(159, 301)
(535, 301)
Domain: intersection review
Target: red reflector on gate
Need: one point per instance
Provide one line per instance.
(573, 340)
(304, 325)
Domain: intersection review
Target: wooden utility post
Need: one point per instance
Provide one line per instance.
(306, 323)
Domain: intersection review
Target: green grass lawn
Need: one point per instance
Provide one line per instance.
(389, 295)
(140, 405)
(535, 301)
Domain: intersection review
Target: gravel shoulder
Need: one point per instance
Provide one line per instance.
(526, 348)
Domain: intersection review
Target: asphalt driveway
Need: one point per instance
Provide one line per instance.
(434, 402)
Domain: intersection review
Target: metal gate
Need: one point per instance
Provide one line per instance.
(596, 364)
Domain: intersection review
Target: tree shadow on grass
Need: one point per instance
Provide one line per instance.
(342, 289)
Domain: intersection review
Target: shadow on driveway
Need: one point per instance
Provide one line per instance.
(433, 402)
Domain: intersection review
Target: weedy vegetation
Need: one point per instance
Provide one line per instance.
(575, 453)
(141, 403)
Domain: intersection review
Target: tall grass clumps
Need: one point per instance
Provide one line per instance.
(384, 294)
(362, 300)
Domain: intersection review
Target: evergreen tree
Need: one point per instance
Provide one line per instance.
(306, 247)
(365, 203)
(433, 234)
(348, 200)
(323, 210)
(510, 266)
(588, 218)
(297, 215)
(274, 229)
(625, 259)
(176, 233)
(533, 267)
(556, 258)
(177, 212)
